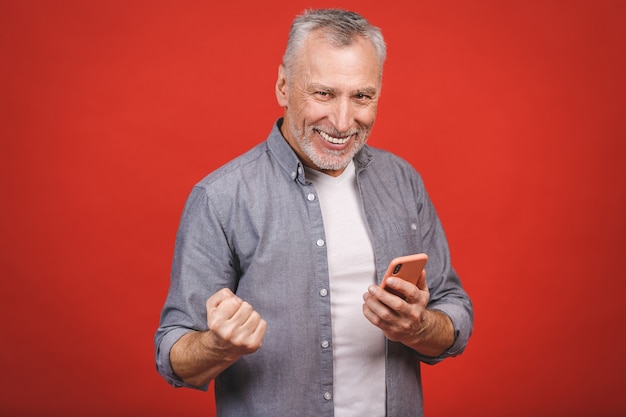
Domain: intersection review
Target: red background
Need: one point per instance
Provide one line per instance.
(513, 111)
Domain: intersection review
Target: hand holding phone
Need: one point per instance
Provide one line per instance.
(408, 268)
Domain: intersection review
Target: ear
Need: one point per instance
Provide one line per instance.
(282, 93)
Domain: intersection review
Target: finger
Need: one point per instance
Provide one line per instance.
(394, 298)
(254, 339)
(244, 310)
(259, 331)
(250, 333)
(382, 303)
(252, 321)
(224, 311)
(373, 317)
(221, 295)
(369, 315)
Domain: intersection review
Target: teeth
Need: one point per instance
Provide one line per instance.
(336, 141)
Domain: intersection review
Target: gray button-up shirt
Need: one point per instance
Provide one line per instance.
(255, 226)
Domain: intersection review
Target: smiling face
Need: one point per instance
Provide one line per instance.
(330, 101)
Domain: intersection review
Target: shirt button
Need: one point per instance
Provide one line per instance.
(311, 197)
(413, 226)
(323, 292)
(328, 395)
(320, 242)
(325, 344)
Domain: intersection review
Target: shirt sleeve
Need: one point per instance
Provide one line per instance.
(447, 294)
(202, 264)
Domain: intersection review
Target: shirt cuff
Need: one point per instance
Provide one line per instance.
(163, 364)
(462, 323)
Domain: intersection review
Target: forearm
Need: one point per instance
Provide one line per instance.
(434, 336)
(196, 361)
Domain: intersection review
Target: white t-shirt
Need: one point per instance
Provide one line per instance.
(358, 346)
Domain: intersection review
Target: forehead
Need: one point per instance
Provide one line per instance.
(354, 66)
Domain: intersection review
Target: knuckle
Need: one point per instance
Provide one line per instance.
(396, 303)
(374, 319)
(227, 334)
(386, 315)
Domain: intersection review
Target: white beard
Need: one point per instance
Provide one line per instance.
(328, 159)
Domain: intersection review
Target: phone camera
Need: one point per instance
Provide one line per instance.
(397, 268)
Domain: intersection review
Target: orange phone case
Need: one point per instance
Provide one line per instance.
(408, 268)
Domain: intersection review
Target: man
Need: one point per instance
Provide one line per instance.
(274, 292)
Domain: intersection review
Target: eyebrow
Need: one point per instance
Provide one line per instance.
(368, 91)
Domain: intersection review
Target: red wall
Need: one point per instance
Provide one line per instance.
(514, 112)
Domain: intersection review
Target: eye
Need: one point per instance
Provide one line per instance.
(362, 97)
(322, 95)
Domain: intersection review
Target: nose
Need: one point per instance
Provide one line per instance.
(342, 114)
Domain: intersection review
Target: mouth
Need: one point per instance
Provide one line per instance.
(334, 140)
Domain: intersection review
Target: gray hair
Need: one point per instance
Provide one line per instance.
(340, 28)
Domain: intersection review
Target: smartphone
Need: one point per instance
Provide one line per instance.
(408, 268)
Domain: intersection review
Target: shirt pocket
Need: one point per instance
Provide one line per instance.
(408, 236)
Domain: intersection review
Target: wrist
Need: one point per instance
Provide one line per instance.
(434, 334)
(217, 349)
